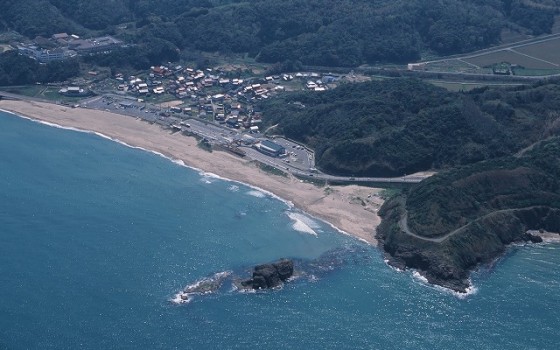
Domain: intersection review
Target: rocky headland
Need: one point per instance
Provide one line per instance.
(452, 223)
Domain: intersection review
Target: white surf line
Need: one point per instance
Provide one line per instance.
(535, 58)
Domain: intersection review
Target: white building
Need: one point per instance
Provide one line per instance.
(46, 56)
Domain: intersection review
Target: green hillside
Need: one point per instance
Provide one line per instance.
(315, 32)
(401, 126)
(450, 223)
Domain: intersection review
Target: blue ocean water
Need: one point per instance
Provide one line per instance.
(96, 238)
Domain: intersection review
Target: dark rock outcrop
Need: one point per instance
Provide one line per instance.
(448, 263)
(270, 275)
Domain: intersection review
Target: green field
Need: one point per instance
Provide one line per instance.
(527, 59)
(548, 51)
(511, 57)
(535, 72)
(43, 92)
(462, 86)
(26, 90)
(537, 59)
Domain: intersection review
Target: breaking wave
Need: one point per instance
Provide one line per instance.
(471, 290)
(302, 223)
(256, 193)
(204, 286)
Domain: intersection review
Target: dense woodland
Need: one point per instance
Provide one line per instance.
(400, 126)
(314, 32)
(458, 197)
(21, 70)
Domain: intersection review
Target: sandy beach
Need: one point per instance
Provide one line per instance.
(351, 209)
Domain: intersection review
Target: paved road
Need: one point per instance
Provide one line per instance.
(300, 161)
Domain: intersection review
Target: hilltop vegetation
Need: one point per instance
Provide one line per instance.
(316, 32)
(21, 70)
(475, 212)
(401, 126)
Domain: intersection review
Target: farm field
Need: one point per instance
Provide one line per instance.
(451, 65)
(466, 86)
(511, 57)
(539, 56)
(548, 50)
(535, 72)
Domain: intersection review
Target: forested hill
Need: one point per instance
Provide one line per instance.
(401, 126)
(315, 32)
(454, 221)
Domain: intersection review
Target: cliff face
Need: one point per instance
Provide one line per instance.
(450, 224)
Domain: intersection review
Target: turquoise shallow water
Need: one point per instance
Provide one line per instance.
(96, 238)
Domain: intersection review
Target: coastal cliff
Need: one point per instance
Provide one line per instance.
(448, 225)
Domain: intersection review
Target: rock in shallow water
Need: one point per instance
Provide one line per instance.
(270, 275)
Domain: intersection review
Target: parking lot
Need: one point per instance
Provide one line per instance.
(297, 159)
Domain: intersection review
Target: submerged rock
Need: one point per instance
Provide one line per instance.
(270, 275)
(207, 285)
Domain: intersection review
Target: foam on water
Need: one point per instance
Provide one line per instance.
(179, 162)
(205, 180)
(302, 223)
(471, 290)
(387, 262)
(256, 193)
(203, 286)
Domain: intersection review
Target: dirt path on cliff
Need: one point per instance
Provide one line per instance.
(403, 224)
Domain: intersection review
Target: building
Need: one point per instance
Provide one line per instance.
(85, 46)
(45, 56)
(58, 36)
(74, 91)
(270, 148)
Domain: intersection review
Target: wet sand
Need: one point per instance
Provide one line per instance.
(351, 209)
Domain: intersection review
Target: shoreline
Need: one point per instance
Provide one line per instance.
(351, 209)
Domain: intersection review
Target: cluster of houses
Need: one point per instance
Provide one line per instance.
(211, 93)
(62, 46)
(188, 82)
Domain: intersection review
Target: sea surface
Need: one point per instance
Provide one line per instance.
(96, 239)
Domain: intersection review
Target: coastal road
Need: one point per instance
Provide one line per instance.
(299, 162)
